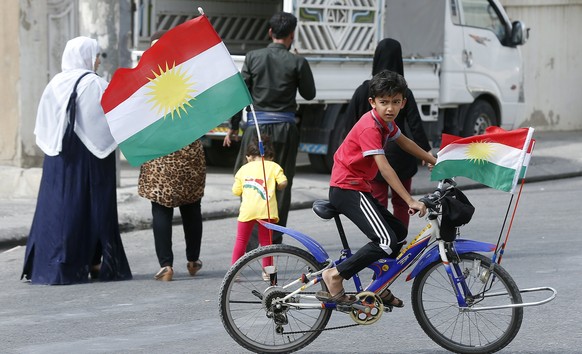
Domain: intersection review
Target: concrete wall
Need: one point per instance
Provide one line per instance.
(553, 62)
(32, 38)
(44, 28)
(9, 54)
(108, 21)
(33, 35)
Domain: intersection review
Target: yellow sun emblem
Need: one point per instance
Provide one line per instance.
(171, 90)
(479, 152)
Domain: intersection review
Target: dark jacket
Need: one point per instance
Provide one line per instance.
(388, 56)
(273, 76)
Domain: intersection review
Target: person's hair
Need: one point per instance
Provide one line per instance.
(387, 83)
(282, 24)
(253, 147)
(157, 35)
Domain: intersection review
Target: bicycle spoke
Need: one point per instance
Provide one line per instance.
(460, 329)
(252, 308)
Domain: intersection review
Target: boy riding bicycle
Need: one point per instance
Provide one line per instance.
(356, 162)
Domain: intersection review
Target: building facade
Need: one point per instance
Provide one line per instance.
(33, 35)
(32, 38)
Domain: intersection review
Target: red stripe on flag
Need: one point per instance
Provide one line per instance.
(531, 146)
(178, 45)
(514, 138)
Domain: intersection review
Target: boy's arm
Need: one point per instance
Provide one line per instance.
(392, 179)
(413, 149)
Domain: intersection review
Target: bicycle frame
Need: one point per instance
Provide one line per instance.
(387, 270)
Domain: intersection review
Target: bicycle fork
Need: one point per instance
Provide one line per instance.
(458, 277)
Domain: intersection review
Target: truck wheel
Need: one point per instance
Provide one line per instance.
(479, 116)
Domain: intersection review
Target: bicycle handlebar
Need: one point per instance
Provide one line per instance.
(432, 201)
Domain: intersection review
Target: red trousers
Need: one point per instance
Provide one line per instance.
(243, 234)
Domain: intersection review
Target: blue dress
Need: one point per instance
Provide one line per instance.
(75, 224)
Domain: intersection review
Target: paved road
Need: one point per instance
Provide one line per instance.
(145, 316)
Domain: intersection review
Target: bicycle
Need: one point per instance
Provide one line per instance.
(463, 300)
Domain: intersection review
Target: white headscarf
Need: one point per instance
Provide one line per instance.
(90, 124)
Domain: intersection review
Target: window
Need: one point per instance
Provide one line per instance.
(481, 14)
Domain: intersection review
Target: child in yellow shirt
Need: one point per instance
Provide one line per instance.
(249, 183)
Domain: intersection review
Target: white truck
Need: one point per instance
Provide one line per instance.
(461, 59)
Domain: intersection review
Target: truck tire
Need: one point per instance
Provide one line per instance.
(479, 116)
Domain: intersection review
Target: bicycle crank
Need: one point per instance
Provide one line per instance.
(368, 309)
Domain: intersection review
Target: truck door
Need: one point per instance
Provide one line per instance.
(492, 67)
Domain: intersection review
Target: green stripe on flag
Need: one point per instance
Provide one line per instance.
(485, 172)
(208, 110)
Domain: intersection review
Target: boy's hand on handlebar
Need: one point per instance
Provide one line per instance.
(429, 165)
(415, 207)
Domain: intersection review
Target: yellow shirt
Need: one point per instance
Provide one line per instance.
(249, 183)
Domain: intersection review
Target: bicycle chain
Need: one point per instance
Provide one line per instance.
(323, 329)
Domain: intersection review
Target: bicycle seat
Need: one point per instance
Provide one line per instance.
(324, 209)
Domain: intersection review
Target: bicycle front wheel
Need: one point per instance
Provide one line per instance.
(251, 305)
(461, 330)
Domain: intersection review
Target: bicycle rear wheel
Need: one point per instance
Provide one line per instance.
(436, 309)
(249, 304)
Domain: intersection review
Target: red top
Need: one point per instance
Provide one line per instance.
(353, 162)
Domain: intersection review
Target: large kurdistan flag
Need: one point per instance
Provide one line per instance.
(498, 158)
(183, 86)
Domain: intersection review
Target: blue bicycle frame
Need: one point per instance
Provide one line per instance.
(388, 270)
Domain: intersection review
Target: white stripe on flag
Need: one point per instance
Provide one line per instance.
(501, 155)
(205, 70)
(522, 158)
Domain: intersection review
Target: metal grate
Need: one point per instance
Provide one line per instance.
(338, 26)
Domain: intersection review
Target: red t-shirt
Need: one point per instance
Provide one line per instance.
(353, 162)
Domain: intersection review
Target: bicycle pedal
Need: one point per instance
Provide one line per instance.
(343, 308)
(388, 308)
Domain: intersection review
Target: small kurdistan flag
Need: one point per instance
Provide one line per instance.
(183, 86)
(497, 159)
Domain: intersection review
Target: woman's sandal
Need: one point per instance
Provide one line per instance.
(94, 271)
(340, 298)
(388, 299)
(194, 267)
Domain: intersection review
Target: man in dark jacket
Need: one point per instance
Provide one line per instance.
(388, 56)
(274, 76)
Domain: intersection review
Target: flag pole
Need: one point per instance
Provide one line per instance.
(530, 146)
(262, 152)
(504, 244)
(499, 249)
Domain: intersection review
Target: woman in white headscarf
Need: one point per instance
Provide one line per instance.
(75, 230)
